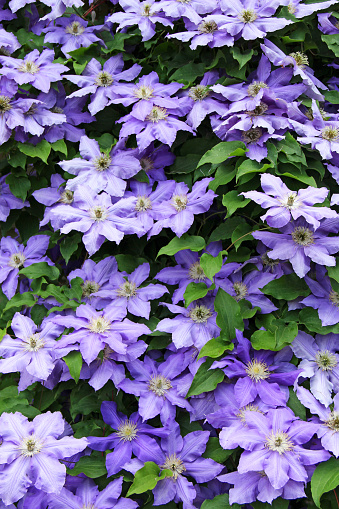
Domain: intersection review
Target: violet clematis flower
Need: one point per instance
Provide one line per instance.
(52, 197)
(8, 201)
(127, 294)
(300, 10)
(130, 435)
(284, 203)
(157, 386)
(260, 373)
(300, 244)
(58, 7)
(8, 42)
(73, 33)
(183, 205)
(14, 256)
(101, 81)
(36, 118)
(183, 456)
(36, 69)
(273, 444)
(97, 218)
(5, 14)
(327, 23)
(188, 9)
(30, 454)
(143, 13)
(88, 495)
(96, 329)
(101, 171)
(323, 297)
(207, 31)
(11, 114)
(154, 160)
(31, 349)
(320, 363)
(193, 326)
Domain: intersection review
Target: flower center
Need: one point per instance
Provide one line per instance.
(98, 213)
(29, 67)
(208, 27)
(337, 25)
(333, 421)
(290, 201)
(330, 133)
(300, 59)
(247, 408)
(247, 16)
(89, 287)
(252, 135)
(334, 297)
(175, 464)
(258, 110)
(107, 353)
(146, 10)
(196, 272)
(268, 262)
(34, 343)
(199, 92)
(99, 325)
(104, 79)
(17, 260)
(144, 92)
(56, 109)
(30, 446)
(66, 197)
(200, 314)
(302, 236)
(127, 290)
(102, 162)
(291, 8)
(255, 87)
(279, 442)
(184, 1)
(257, 370)
(146, 164)
(157, 114)
(159, 385)
(127, 431)
(326, 360)
(75, 28)
(179, 202)
(5, 103)
(143, 203)
(240, 290)
(32, 110)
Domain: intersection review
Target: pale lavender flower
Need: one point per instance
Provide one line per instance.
(154, 160)
(8, 42)
(284, 203)
(8, 201)
(53, 197)
(30, 454)
(207, 31)
(5, 14)
(11, 114)
(36, 118)
(58, 7)
(189, 9)
(36, 69)
(323, 298)
(300, 10)
(328, 23)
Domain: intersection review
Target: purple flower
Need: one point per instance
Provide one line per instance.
(8, 42)
(126, 294)
(36, 117)
(250, 20)
(323, 298)
(320, 363)
(30, 454)
(154, 160)
(8, 201)
(300, 10)
(183, 456)
(14, 256)
(101, 82)
(188, 9)
(207, 31)
(88, 495)
(101, 171)
(11, 114)
(97, 218)
(259, 373)
(145, 14)
(157, 386)
(183, 205)
(300, 244)
(31, 349)
(131, 433)
(96, 329)
(284, 203)
(58, 7)
(36, 69)
(194, 326)
(72, 33)
(53, 197)
(273, 444)
(327, 23)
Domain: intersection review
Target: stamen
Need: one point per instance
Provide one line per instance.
(75, 28)
(5, 104)
(257, 370)
(175, 464)
(333, 421)
(252, 135)
(98, 213)
(279, 442)
(291, 201)
(30, 446)
(143, 92)
(146, 10)
(196, 272)
(127, 290)
(104, 79)
(56, 109)
(326, 360)
(17, 260)
(143, 203)
(258, 110)
(208, 27)
(241, 290)
(199, 92)
(29, 67)
(99, 325)
(147, 164)
(157, 114)
(291, 8)
(302, 236)
(300, 59)
(334, 298)
(66, 197)
(89, 287)
(102, 162)
(200, 314)
(330, 133)
(127, 431)
(34, 343)
(179, 202)
(247, 408)
(247, 16)
(159, 385)
(255, 87)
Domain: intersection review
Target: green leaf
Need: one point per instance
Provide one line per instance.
(223, 151)
(53, 291)
(185, 164)
(295, 405)
(128, 262)
(278, 503)
(74, 363)
(93, 466)
(234, 201)
(205, 379)
(219, 502)
(324, 478)
(309, 317)
(191, 242)
(147, 478)
(228, 314)
(242, 57)
(40, 269)
(251, 166)
(19, 186)
(287, 287)
(215, 451)
(195, 291)
(19, 300)
(279, 335)
(225, 230)
(69, 245)
(240, 234)
(41, 150)
(332, 96)
(211, 264)
(188, 73)
(59, 146)
(224, 174)
(215, 347)
(332, 42)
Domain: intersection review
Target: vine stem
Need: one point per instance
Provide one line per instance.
(336, 497)
(249, 233)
